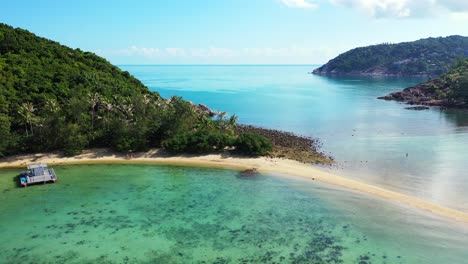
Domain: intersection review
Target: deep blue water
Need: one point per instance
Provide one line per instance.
(368, 137)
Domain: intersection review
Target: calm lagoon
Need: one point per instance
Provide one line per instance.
(368, 137)
(163, 214)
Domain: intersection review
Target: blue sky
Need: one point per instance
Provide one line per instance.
(233, 31)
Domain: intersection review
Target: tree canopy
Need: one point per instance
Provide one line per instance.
(431, 57)
(450, 89)
(56, 98)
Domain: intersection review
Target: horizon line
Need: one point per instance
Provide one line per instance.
(215, 64)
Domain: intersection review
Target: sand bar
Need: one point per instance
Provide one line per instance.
(263, 164)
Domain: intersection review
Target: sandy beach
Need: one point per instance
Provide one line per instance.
(262, 164)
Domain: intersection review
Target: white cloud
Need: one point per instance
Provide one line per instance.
(455, 5)
(392, 8)
(462, 17)
(174, 51)
(212, 52)
(292, 54)
(299, 3)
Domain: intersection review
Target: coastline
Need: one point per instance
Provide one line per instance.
(227, 161)
(425, 94)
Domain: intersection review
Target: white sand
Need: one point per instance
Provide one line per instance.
(263, 164)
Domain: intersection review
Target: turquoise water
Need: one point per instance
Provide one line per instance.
(163, 214)
(368, 137)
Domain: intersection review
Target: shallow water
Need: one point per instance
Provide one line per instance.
(368, 137)
(164, 214)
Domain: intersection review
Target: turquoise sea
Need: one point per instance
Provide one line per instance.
(368, 137)
(166, 214)
(162, 214)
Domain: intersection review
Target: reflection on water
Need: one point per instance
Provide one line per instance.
(159, 214)
(458, 117)
(368, 137)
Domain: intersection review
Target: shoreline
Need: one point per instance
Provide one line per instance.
(226, 161)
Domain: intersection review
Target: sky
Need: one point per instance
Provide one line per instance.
(233, 31)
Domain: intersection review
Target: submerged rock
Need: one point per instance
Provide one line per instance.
(249, 172)
(417, 108)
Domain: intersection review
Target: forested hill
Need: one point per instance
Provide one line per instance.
(54, 98)
(427, 57)
(449, 90)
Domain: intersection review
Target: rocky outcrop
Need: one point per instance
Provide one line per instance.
(290, 146)
(205, 109)
(199, 107)
(423, 93)
(367, 72)
(431, 93)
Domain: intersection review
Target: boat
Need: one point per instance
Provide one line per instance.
(37, 173)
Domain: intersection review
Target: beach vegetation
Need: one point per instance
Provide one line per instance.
(198, 142)
(253, 144)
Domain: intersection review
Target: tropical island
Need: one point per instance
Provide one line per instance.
(425, 57)
(66, 106)
(55, 98)
(448, 90)
(175, 132)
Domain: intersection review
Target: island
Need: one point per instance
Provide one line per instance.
(64, 106)
(55, 98)
(425, 57)
(449, 90)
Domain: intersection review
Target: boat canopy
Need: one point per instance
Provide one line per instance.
(35, 166)
(38, 169)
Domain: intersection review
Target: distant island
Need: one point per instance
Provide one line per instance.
(55, 98)
(449, 90)
(425, 57)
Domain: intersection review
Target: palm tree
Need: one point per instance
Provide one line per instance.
(221, 115)
(26, 111)
(127, 110)
(205, 123)
(108, 109)
(233, 123)
(52, 106)
(233, 120)
(146, 99)
(94, 100)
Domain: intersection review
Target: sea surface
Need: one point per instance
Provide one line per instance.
(420, 153)
(165, 214)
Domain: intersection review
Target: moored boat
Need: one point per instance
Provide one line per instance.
(37, 173)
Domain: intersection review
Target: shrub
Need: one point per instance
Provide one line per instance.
(253, 144)
(74, 141)
(197, 142)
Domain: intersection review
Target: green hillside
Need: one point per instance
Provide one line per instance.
(429, 57)
(450, 89)
(56, 98)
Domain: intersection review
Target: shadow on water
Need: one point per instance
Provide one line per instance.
(458, 117)
(16, 181)
(372, 80)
